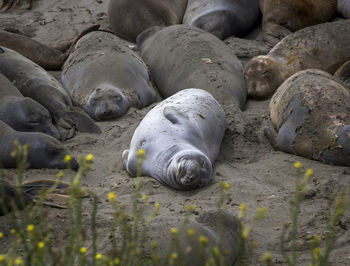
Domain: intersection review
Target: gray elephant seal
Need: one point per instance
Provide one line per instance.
(34, 82)
(181, 137)
(106, 78)
(23, 113)
(206, 224)
(181, 57)
(223, 18)
(343, 7)
(320, 47)
(281, 18)
(310, 117)
(46, 57)
(44, 151)
(8, 4)
(343, 74)
(128, 18)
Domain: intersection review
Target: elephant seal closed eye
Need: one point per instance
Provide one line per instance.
(310, 117)
(34, 82)
(106, 78)
(322, 46)
(23, 113)
(223, 18)
(181, 137)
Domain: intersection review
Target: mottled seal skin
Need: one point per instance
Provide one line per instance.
(223, 18)
(8, 4)
(181, 57)
(310, 117)
(34, 82)
(343, 74)
(181, 137)
(106, 78)
(321, 47)
(47, 57)
(280, 18)
(128, 18)
(343, 7)
(23, 113)
(206, 224)
(12, 198)
(44, 151)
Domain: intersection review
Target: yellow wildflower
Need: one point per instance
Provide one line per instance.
(174, 231)
(41, 245)
(98, 256)
(309, 172)
(18, 261)
(83, 250)
(67, 158)
(2, 257)
(203, 240)
(89, 157)
(266, 257)
(12, 231)
(297, 165)
(60, 174)
(227, 185)
(174, 256)
(156, 205)
(191, 208)
(1, 235)
(117, 261)
(30, 227)
(144, 197)
(141, 153)
(190, 232)
(111, 196)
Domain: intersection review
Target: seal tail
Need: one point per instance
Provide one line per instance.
(57, 193)
(83, 122)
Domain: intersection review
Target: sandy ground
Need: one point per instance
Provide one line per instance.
(259, 176)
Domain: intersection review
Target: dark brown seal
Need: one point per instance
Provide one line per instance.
(343, 74)
(47, 57)
(310, 117)
(128, 18)
(280, 18)
(322, 46)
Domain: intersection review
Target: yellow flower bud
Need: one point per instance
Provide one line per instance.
(67, 158)
(144, 197)
(266, 257)
(174, 256)
(297, 165)
(83, 250)
(309, 172)
(191, 232)
(18, 261)
(156, 205)
(60, 174)
(98, 256)
(2, 257)
(1, 235)
(89, 157)
(30, 228)
(190, 208)
(117, 261)
(141, 153)
(203, 240)
(174, 231)
(112, 196)
(41, 245)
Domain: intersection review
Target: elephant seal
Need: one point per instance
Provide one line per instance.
(310, 117)
(281, 18)
(34, 82)
(343, 7)
(321, 46)
(128, 18)
(23, 113)
(223, 18)
(181, 137)
(208, 224)
(106, 78)
(343, 74)
(44, 151)
(46, 57)
(14, 198)
(181, 57)
(8, 4)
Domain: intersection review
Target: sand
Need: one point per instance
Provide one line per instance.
(259, 175)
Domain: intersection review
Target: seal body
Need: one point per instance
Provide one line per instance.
(181, 138)
(343, 7)
(44, 151)
(322, 46)
(181, 57)
(34, 82)
(128, 18)
(105, 78)
(23, 113)
(343, 74)
(280, 18)
(223, 18)
(310, 117)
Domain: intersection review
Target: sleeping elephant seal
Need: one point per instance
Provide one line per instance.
(223, 18)
(343, 74)
(23, 113)
(128, 18)
(322, 46)
(105, 77)
(181, 57)
(46, 57)
(34, 82)
(310, 116)
(343, 7)
(44, 151)
(181, 138)
(207, 224)
(280, 18)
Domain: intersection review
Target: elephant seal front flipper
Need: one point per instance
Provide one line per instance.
(34, 82)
